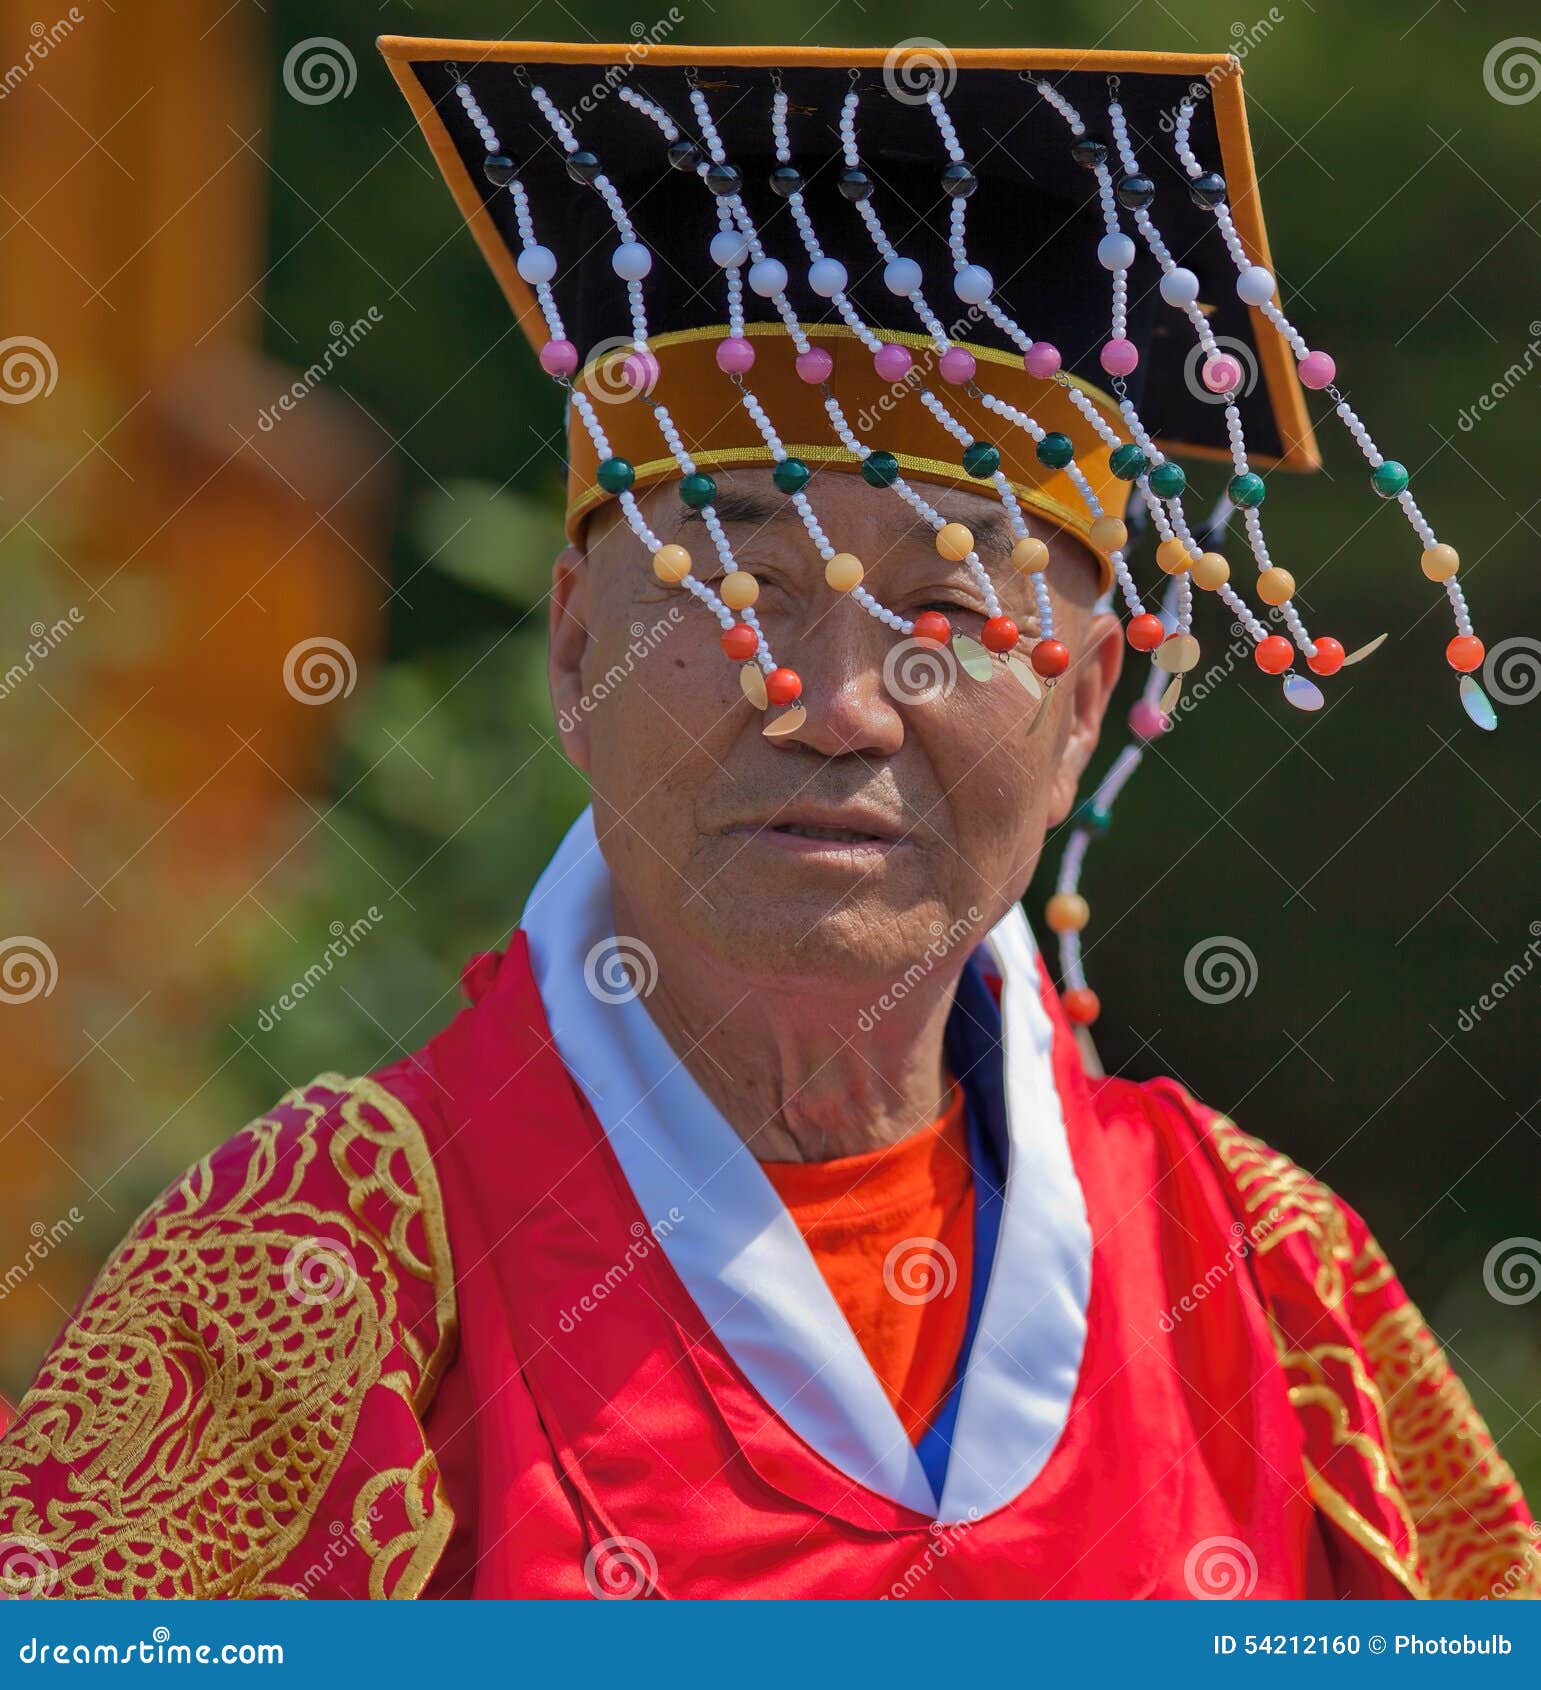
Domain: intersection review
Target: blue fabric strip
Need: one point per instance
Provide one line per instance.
(973, 1046)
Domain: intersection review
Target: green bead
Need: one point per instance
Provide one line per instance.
(1055, 451)
(1390, 479)
(615, 475)
(1167, 481)
(698, 490)
(880, 469)
(791, 475)
(1092, 817)
(1247, 490)
(981, 459)
(1128, 462)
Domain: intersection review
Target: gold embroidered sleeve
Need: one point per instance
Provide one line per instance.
(235, 1409)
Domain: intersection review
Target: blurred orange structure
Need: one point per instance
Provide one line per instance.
(165, 559)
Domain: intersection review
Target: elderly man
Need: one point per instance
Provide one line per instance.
(758, 1230)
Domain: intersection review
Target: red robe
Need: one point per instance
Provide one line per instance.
(410, 1335)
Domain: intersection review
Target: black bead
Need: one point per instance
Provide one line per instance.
(723, 178)
(1208, 189)
(1089, 151)
(684, 155)
(856, 184)
(785, 181)
(499, 169)
(583, 166)
(959, 181)
(1135, 192)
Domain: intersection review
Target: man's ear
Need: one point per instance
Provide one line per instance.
(567, 647)
(1090, 683)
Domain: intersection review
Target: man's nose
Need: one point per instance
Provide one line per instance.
(840, 657)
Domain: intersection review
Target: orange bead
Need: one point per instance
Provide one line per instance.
(671, 564)
(1067, 912)
(1082, 1006)
(1328, 656)
(1108, 534)
(739, 589)
(843, 572)
(1145, 632)
(1274, 654)
(999, 634)
(1274, 586)
(1029, 556)
(783, 686)
(740, 643)
(932, 625)
(1441, 562)
(1050, 658)
(954, 542)
(1465, 653)
(1211, 571)
(1173, 557)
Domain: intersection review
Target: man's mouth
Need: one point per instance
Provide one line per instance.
(844, 835)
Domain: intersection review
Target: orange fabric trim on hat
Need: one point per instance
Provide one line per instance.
(886, 415)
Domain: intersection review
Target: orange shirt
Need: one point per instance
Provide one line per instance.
(892, 1231)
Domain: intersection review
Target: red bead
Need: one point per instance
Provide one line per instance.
(999, 634)
(1329, 656)
(1050, 658)
(1145, 632)
(740, 643)
(1274, 655)
(1081, 1005)
(1465, 653)
(932, 625)
(783, 686)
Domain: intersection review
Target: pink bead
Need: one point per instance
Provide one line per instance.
(1119, 357)
(956, 365)
(892, 361)
(1042, 359)
(1146, 721)
(735, 355)
(814, 365)
(1317, 370)
(1222, 373)
(559, 357)
(640, 371)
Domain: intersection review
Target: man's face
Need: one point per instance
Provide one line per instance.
(843, 850)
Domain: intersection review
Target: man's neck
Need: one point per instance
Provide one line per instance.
(802, 1072)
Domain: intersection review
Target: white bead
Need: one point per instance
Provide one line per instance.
(973, 284)
(1255, 285)
(536, 264)
(1179, 287)
(901, 276)
(631, 261)
(728, 249)
(768, 277)
(827, 277)
(1115, 252)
